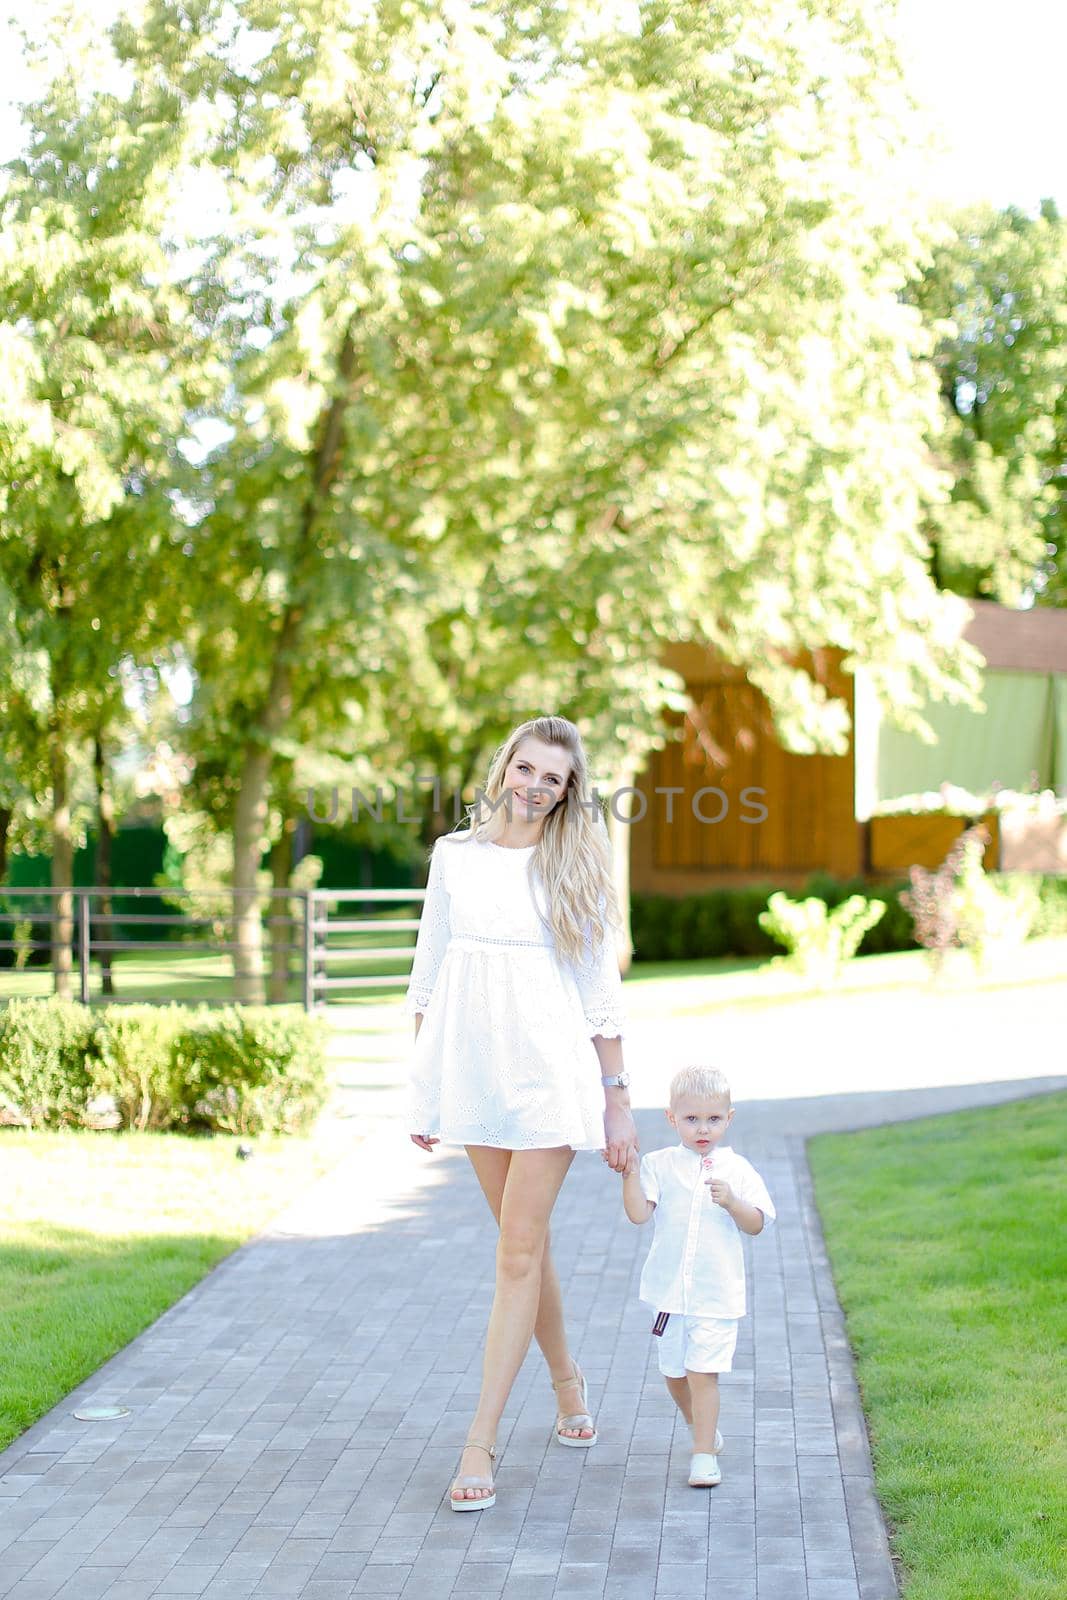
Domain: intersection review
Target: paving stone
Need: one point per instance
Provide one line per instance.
(680, 1579)
(577, 1579)
(187, 1580)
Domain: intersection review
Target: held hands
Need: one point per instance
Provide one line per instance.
(620, 1138)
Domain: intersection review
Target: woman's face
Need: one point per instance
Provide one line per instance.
(537, 777)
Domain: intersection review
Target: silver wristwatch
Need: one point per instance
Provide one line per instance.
(620, 1080)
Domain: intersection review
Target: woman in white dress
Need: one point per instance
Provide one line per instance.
(516, 996)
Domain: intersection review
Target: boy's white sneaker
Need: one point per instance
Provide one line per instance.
(704, 1471)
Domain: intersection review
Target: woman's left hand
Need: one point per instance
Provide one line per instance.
(620, 1138)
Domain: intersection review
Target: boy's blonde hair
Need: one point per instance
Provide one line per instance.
(708, 1082)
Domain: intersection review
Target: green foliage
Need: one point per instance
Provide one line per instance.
(1050, 920)
(995, 292)
(46, 1076)
(137, 1064)
(252, 1070)
(500, 346)
(819, 940)
(695, 387)
(989, 916)
(232, 1070)
(100, 370)
(960, 907)
(726, 922)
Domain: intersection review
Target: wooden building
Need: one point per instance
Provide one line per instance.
(724, 803)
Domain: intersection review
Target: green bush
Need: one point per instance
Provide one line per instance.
(1051, 919)
(726, 921)
(46, 1052)
(240, 1070)
(893, 929)
(819, 940)
(136, 1064)
(251, 1070)
(990, 913)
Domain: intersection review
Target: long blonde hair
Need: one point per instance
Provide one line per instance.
(573, 855)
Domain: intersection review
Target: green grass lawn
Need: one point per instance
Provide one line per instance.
(100, 1233)
(948, 1246)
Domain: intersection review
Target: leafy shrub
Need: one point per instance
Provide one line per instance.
(726, 921)
(960, 907)
(242, 1070)
(819, 940)
(251, 1070)
(46, 1048)
(892, 931)
(1051, 918)
(988, 916)
(136, 1064)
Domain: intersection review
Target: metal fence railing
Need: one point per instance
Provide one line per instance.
(310, 952)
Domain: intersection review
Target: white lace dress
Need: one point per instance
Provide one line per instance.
(504, 1055)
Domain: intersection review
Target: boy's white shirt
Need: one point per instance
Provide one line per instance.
(696, 1265)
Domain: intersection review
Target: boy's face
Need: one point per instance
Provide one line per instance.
(701, 1120)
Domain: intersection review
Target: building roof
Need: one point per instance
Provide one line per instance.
(1019, 641)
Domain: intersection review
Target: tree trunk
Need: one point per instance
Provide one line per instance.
(105, 833)
(7, 816)
(249, 824)
(276, 710)
(281, 934)
(619, 830)
(62, 866)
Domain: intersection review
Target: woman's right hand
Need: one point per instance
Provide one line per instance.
(424, 1141)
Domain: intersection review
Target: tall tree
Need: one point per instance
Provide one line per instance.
(995, 291)
(99, 355)
(554, 330)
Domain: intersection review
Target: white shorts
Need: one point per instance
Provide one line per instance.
(696, 1344)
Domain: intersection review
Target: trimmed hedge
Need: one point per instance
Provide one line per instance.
(46, 1054)
(240, 1069)
(725, 922)
(251, 1071)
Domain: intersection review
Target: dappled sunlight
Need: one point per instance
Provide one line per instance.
(384, 1180)
(890, 1025)
(843, 1044)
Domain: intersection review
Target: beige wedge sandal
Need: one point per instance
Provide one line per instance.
(580, 1419)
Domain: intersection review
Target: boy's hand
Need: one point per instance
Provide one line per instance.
(630, 1168)
(721, 1193)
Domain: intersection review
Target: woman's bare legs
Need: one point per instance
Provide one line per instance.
(491, 1167)
(534, 1179)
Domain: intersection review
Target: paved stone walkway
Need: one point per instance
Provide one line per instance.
(295, 1420)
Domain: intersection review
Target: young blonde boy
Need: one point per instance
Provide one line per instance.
(703, 1196)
